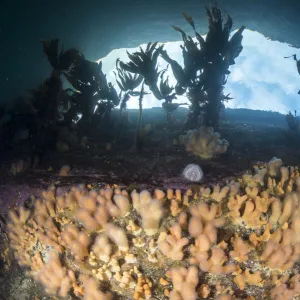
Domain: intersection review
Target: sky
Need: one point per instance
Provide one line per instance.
(260, 79)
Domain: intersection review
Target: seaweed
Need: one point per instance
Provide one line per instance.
(206, 64)
(144, 63)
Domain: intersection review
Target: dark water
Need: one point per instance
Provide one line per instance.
(97, 27)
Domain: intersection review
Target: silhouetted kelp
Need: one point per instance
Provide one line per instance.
(205, 68)
(86, 107)
(297, 64)
(293, 134)
(145, 63)
(127, 84)
(60, 61)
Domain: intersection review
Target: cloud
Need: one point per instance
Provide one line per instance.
(261, 78)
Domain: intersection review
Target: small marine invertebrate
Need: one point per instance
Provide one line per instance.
(248, 278)
(77, 241)
(274, 166)
(64, 170)
(286, 289)
(102, 248)
(215, 263)
(171, 245)
(218, 193)
(253, 209)
(193, 173)
(282, 250)
(144, 203)
(92, 292)
(184, 283)
(56, 278)
(241, 249)
(118, 235)
(204, 142)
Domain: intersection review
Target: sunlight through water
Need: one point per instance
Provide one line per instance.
(261, 78)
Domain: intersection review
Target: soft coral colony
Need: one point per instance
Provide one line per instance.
(236, 240)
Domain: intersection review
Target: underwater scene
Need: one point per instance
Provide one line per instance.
(163, 168)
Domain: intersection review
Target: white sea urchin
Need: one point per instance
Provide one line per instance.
(193, 173)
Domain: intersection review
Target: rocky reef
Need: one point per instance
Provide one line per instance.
(236, 240)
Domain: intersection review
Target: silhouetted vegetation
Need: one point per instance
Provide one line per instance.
(53, 117)
(297, 65)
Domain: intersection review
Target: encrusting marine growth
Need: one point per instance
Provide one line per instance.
(237, 240)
